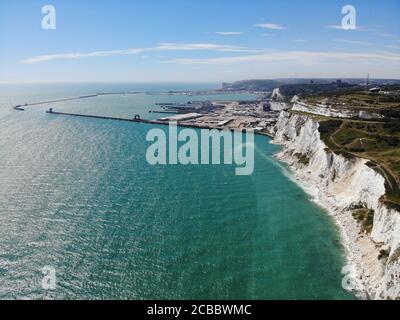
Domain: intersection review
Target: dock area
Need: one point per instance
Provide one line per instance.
(137, 119)
(251, 116)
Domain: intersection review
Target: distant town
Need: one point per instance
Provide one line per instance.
(351, 98)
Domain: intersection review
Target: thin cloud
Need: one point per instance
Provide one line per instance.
(336, 27)
(171, 46)
(201, 47)
(136, 51)
(358, 28)
(383, 34)
(228, 33)
(271, 26)
(361, 43)
(301, 57)
(65, 56)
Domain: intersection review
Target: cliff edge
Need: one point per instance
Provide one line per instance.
(351, 191)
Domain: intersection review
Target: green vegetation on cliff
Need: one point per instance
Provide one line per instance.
(378, 142)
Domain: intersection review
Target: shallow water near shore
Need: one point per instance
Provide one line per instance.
(77, 194)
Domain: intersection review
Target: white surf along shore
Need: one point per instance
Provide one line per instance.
(338, 184)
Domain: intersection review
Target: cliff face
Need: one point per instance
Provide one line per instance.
(340, 184)
(323, 110)
(277, 101)
(329, 111)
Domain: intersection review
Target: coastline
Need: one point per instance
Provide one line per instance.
(357, 247)
(346, 227)
(333, 183)
(339, 185)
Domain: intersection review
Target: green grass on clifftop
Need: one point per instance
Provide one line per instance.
(375, 141)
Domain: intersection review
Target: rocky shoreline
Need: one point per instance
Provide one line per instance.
(338, 184)
(355, 244)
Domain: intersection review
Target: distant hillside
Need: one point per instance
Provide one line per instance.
(252, 85)
(291, 87)
(289, 90)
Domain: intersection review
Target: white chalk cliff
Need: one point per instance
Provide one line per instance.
(339, 184)
(323, 110)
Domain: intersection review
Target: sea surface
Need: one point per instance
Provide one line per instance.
(77, 195)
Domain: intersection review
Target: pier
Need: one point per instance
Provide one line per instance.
(20, 107)
(135, 119)
(163, 112)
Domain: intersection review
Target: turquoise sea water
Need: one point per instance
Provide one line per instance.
(77, 194)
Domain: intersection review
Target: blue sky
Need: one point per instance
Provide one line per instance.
(196, 41)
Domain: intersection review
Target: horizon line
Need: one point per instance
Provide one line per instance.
(191, 82)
